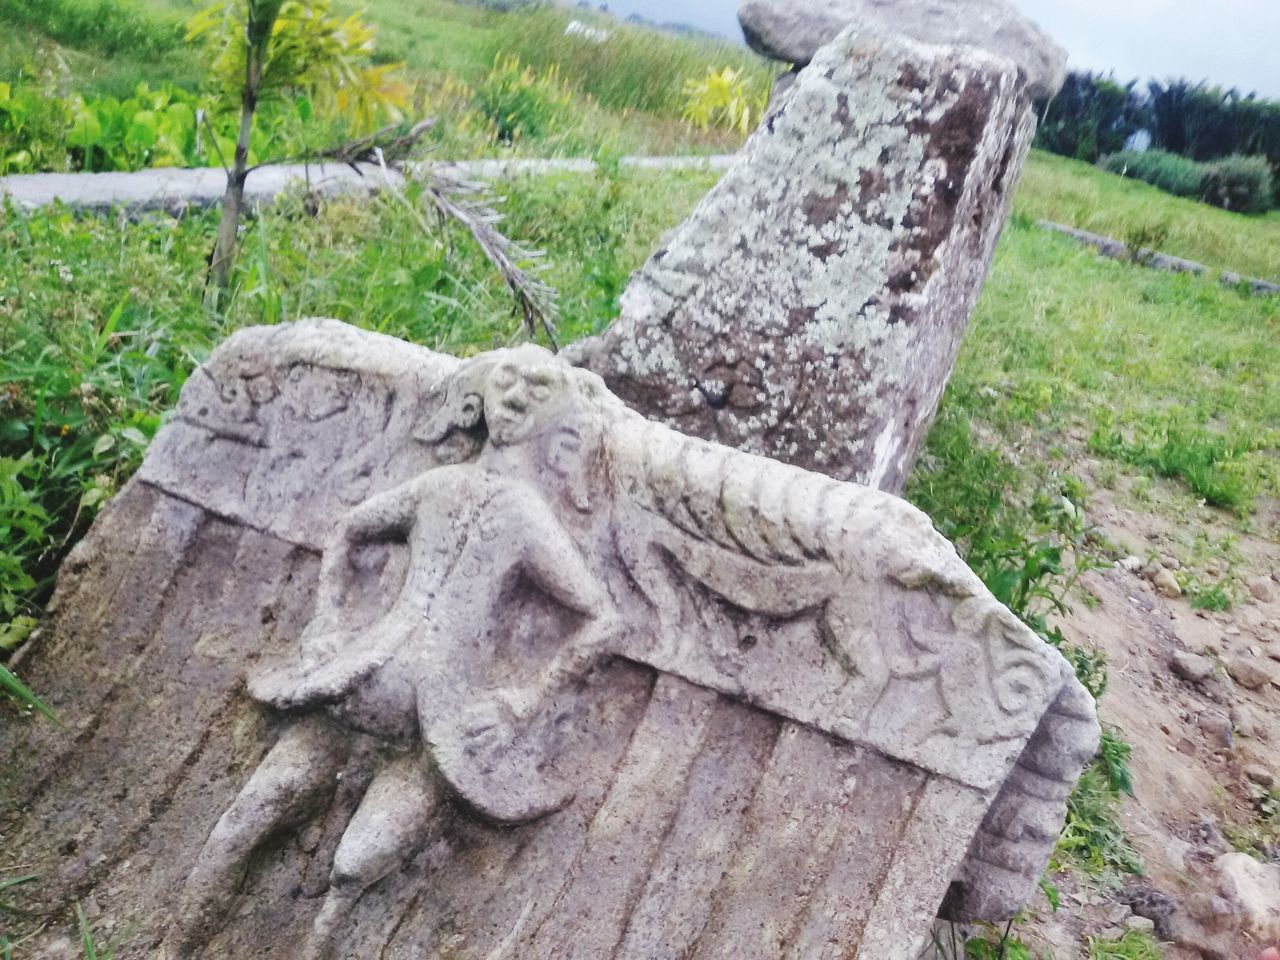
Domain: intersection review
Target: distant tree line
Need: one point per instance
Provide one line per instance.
(1094, 116)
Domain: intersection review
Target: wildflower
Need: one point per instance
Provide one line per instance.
(66, 428)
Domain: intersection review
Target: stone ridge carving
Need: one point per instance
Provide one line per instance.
(553, 650)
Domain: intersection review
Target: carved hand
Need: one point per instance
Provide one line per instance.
(487, 726)
(280, 686)
(294, 686)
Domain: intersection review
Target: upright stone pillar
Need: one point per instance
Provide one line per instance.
(812, 306)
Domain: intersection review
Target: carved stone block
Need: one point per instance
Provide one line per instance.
(385, 654)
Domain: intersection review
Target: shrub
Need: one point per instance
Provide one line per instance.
(520, 102)
(33, 127)
(720, 99)
(1168, 171)
(1242, 184)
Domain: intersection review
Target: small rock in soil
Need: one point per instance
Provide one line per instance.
(1131, 564)
(1260, 775)
(1245, 722)
(1262, 590)
(1248, 672)
(1141, 924)
(1155, 906)
(1191, 666)
(1217, 728)
(1165, 582)
(1170, 563)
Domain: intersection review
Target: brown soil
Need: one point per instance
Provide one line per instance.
(1190, 788)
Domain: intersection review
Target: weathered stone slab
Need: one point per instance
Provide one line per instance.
(386, 654)
(811, 307)
(794, 31)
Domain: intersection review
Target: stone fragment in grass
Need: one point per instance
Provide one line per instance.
(794, 30)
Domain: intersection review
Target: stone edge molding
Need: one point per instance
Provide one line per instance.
(799, 515)
(1117, 250)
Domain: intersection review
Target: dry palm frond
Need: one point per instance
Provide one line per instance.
(395, 142)
(472, 204)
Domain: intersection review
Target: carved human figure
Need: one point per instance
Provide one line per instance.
(423, 672)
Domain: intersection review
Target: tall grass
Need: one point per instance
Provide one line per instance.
(634, 69)
(106, 26)
(97, 46)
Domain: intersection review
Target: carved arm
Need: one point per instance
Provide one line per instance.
(383, 516)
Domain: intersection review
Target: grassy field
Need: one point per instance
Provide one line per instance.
(1077, 194)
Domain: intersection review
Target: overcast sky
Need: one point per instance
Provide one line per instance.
(1228, 42)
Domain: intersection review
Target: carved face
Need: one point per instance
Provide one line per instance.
(527, 390)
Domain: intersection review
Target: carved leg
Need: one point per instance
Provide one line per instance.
(293, 780)
(393, 819)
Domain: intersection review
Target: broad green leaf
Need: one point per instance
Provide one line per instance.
(86, 129)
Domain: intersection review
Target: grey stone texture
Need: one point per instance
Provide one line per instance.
(811, 307)
(386, 654)
(794, 30)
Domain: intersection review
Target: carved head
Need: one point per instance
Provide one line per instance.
(528, 392)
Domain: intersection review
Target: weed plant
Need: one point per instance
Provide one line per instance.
(1208, 464)
(520, 102)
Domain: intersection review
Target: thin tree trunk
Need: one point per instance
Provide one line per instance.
(224, 250)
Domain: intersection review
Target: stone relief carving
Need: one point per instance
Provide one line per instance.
(529, 487)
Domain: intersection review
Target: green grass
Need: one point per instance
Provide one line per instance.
(98, 46)
(1178, 368)
(627, 93)
(1080, 195)
(1134, 945)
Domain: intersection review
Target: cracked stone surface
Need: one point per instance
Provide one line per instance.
(811, 307)
(794, 30)
(386, 654)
